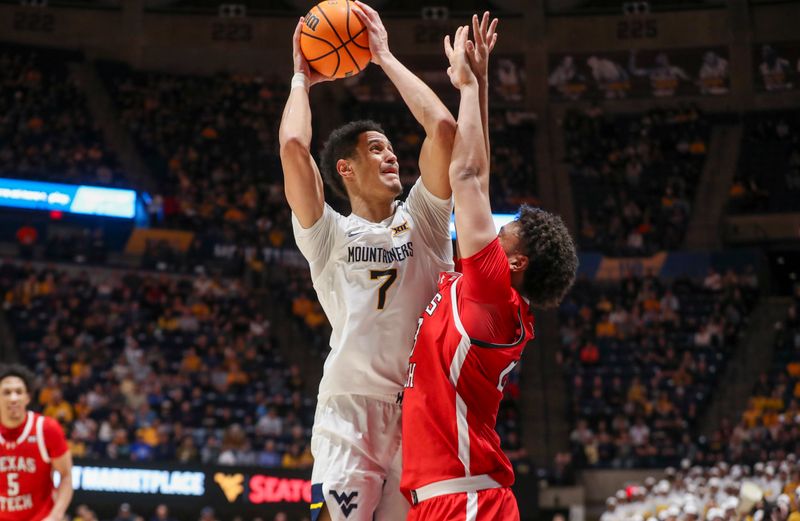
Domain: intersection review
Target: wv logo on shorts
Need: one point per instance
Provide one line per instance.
(346, 501)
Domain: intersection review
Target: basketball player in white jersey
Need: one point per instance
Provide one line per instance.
(374, 272)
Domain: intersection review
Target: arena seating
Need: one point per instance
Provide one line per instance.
(768, 177)
(46, 130)
(145, 367)
(768, 489)
(213, 143)
(633, 177)
(768, 429)
(641, 360)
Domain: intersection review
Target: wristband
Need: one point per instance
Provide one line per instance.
(299, 80)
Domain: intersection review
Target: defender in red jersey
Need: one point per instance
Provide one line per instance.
(32, 446)
(472, 334)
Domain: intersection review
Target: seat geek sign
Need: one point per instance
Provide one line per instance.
(259, 489)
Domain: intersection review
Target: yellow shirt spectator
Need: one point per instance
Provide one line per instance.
(277, 238)
(304, 460)
(302, 306)
(60, 410)
(148, 434)
(604, 305)
(636, 392)
(237, 376)
(605, 329)
(191, 362)
(315, 318)
(46, 395)
(697, 148)
(77, 448)
(76, 369)
(750, 416)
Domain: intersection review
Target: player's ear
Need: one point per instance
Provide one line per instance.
(344, 168)
(518, 262)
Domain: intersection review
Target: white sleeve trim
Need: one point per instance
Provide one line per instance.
(40, 439)
(430, 195)
(427, 194)
(301, 230)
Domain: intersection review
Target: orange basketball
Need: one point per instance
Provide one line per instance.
(334, 40)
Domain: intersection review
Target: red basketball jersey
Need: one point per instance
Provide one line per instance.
(469, 339)
(26, 471)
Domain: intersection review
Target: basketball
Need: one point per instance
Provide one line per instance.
(334, 41)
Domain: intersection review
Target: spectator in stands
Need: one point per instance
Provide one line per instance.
(609, 158)
(162, 514)
(49, 134)
(132, 413)
(653, 357)
(125, 513)
(83, 513)
(207, 514)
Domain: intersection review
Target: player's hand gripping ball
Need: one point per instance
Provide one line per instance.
(334, 41)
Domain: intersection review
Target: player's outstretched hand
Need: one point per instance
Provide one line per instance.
(485, 34)
(378, 37)
(460, 72)
(300, 63)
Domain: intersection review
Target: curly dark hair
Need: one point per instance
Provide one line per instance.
(341, 144)
(552, 260)
(21, 372)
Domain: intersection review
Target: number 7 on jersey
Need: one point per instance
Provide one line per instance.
(390, 275)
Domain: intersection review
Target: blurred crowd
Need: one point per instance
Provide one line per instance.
(769, 429)
(633, 177)
(768, 175)
(142, 367)
(212, 142)
(765, 491)
(46, 130)
(641, 359)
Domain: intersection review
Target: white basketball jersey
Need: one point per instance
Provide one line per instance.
(373, 280)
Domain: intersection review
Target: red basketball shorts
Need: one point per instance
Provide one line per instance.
(494, 504)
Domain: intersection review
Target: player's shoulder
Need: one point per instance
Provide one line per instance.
(420, 192)
(447, 279)
(50, 426)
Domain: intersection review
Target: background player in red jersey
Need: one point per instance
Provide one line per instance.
(472, 334)
(32, 446)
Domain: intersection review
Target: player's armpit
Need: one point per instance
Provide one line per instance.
(54, 439)
(432, 218)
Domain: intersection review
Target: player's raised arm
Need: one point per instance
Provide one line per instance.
(485, 34)
(469, 168)
(302, 182)
(426, 107)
